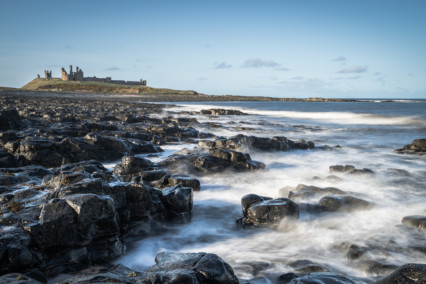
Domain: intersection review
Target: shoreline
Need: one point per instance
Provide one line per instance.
(65, 212)
(163, 98)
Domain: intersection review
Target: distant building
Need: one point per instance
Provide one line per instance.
(79, 76)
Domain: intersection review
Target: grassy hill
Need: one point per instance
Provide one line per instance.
(39, 84)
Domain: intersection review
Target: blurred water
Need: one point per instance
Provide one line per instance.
(367, 132)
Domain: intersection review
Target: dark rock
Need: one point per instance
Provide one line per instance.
(342, 203)
(258, 210)
(411, 273)
(10, 119)
(418, 146)
(17, 278)
(305, 192)
(7, 160)
(185, 181)
(348, 169)
(355, 252)
(287, 277)
(132, 166)
(219, 111)
(415, 221)
(327, 278)
(86, 185)
(153, 175)
(174, 267)
(306, 266)
(64, 178)
(242, 142)
(178, 201)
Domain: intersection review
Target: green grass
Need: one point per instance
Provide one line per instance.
(40, 84)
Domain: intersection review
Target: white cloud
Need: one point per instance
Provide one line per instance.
(222, 65)
(339, 59)
(257, 63)
(354, 69)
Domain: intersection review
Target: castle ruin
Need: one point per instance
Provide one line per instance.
(79, 76)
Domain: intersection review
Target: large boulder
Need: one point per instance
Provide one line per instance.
(221, 111)
(10, 119)
(178, 201)
(342, 203)
(349, 169)
(131, 166)
(172, 267)
(412, 273)
(415, 221)
(306, 192)
(418, 146)
(326, 278)
(259, 210)
(278, 143)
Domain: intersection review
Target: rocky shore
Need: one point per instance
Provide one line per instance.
(63, 212)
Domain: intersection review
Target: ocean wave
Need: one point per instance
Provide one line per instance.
(345, 117)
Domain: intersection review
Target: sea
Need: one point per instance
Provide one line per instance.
(363, 134)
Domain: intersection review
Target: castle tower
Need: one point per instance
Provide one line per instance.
(47, 74)
(64, 75)
(70, 75)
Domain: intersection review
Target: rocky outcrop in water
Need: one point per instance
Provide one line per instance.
(418, 146)
(220, 111)
(212, 161)
(244, 143)
(261, 210)
(170, 267)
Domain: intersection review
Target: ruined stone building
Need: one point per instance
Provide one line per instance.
(79, 76)
(72, 76)
(47, 74)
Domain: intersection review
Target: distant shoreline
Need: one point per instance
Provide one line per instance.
(169, 95)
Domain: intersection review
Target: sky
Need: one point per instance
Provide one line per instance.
(306, 48)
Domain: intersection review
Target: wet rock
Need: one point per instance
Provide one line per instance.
(342, 203)
(17, 278)
(287, 277)
(242, 142)
(100, 274)
(327, 278)
(306, 266)
(415, 221)
(132, 166)
(418, 146)
(349, 169)
(411, 273)
(7, 160)
(64, 178)
(355, 252)
(305, 192)
(219, 111)
(10, 119)
(185, 181)
(173, 267)
(86, 185)
(258, 210)
(217, 160)
(178, 201)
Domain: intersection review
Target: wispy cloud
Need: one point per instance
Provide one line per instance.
(282, 69)
(257, 63)
(339, 59)
(354, 69)
(297, 78)
(113, 68)
(69, 47)
(222, 65)
(202, 79)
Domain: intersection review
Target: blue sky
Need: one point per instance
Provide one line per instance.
(364, 49)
